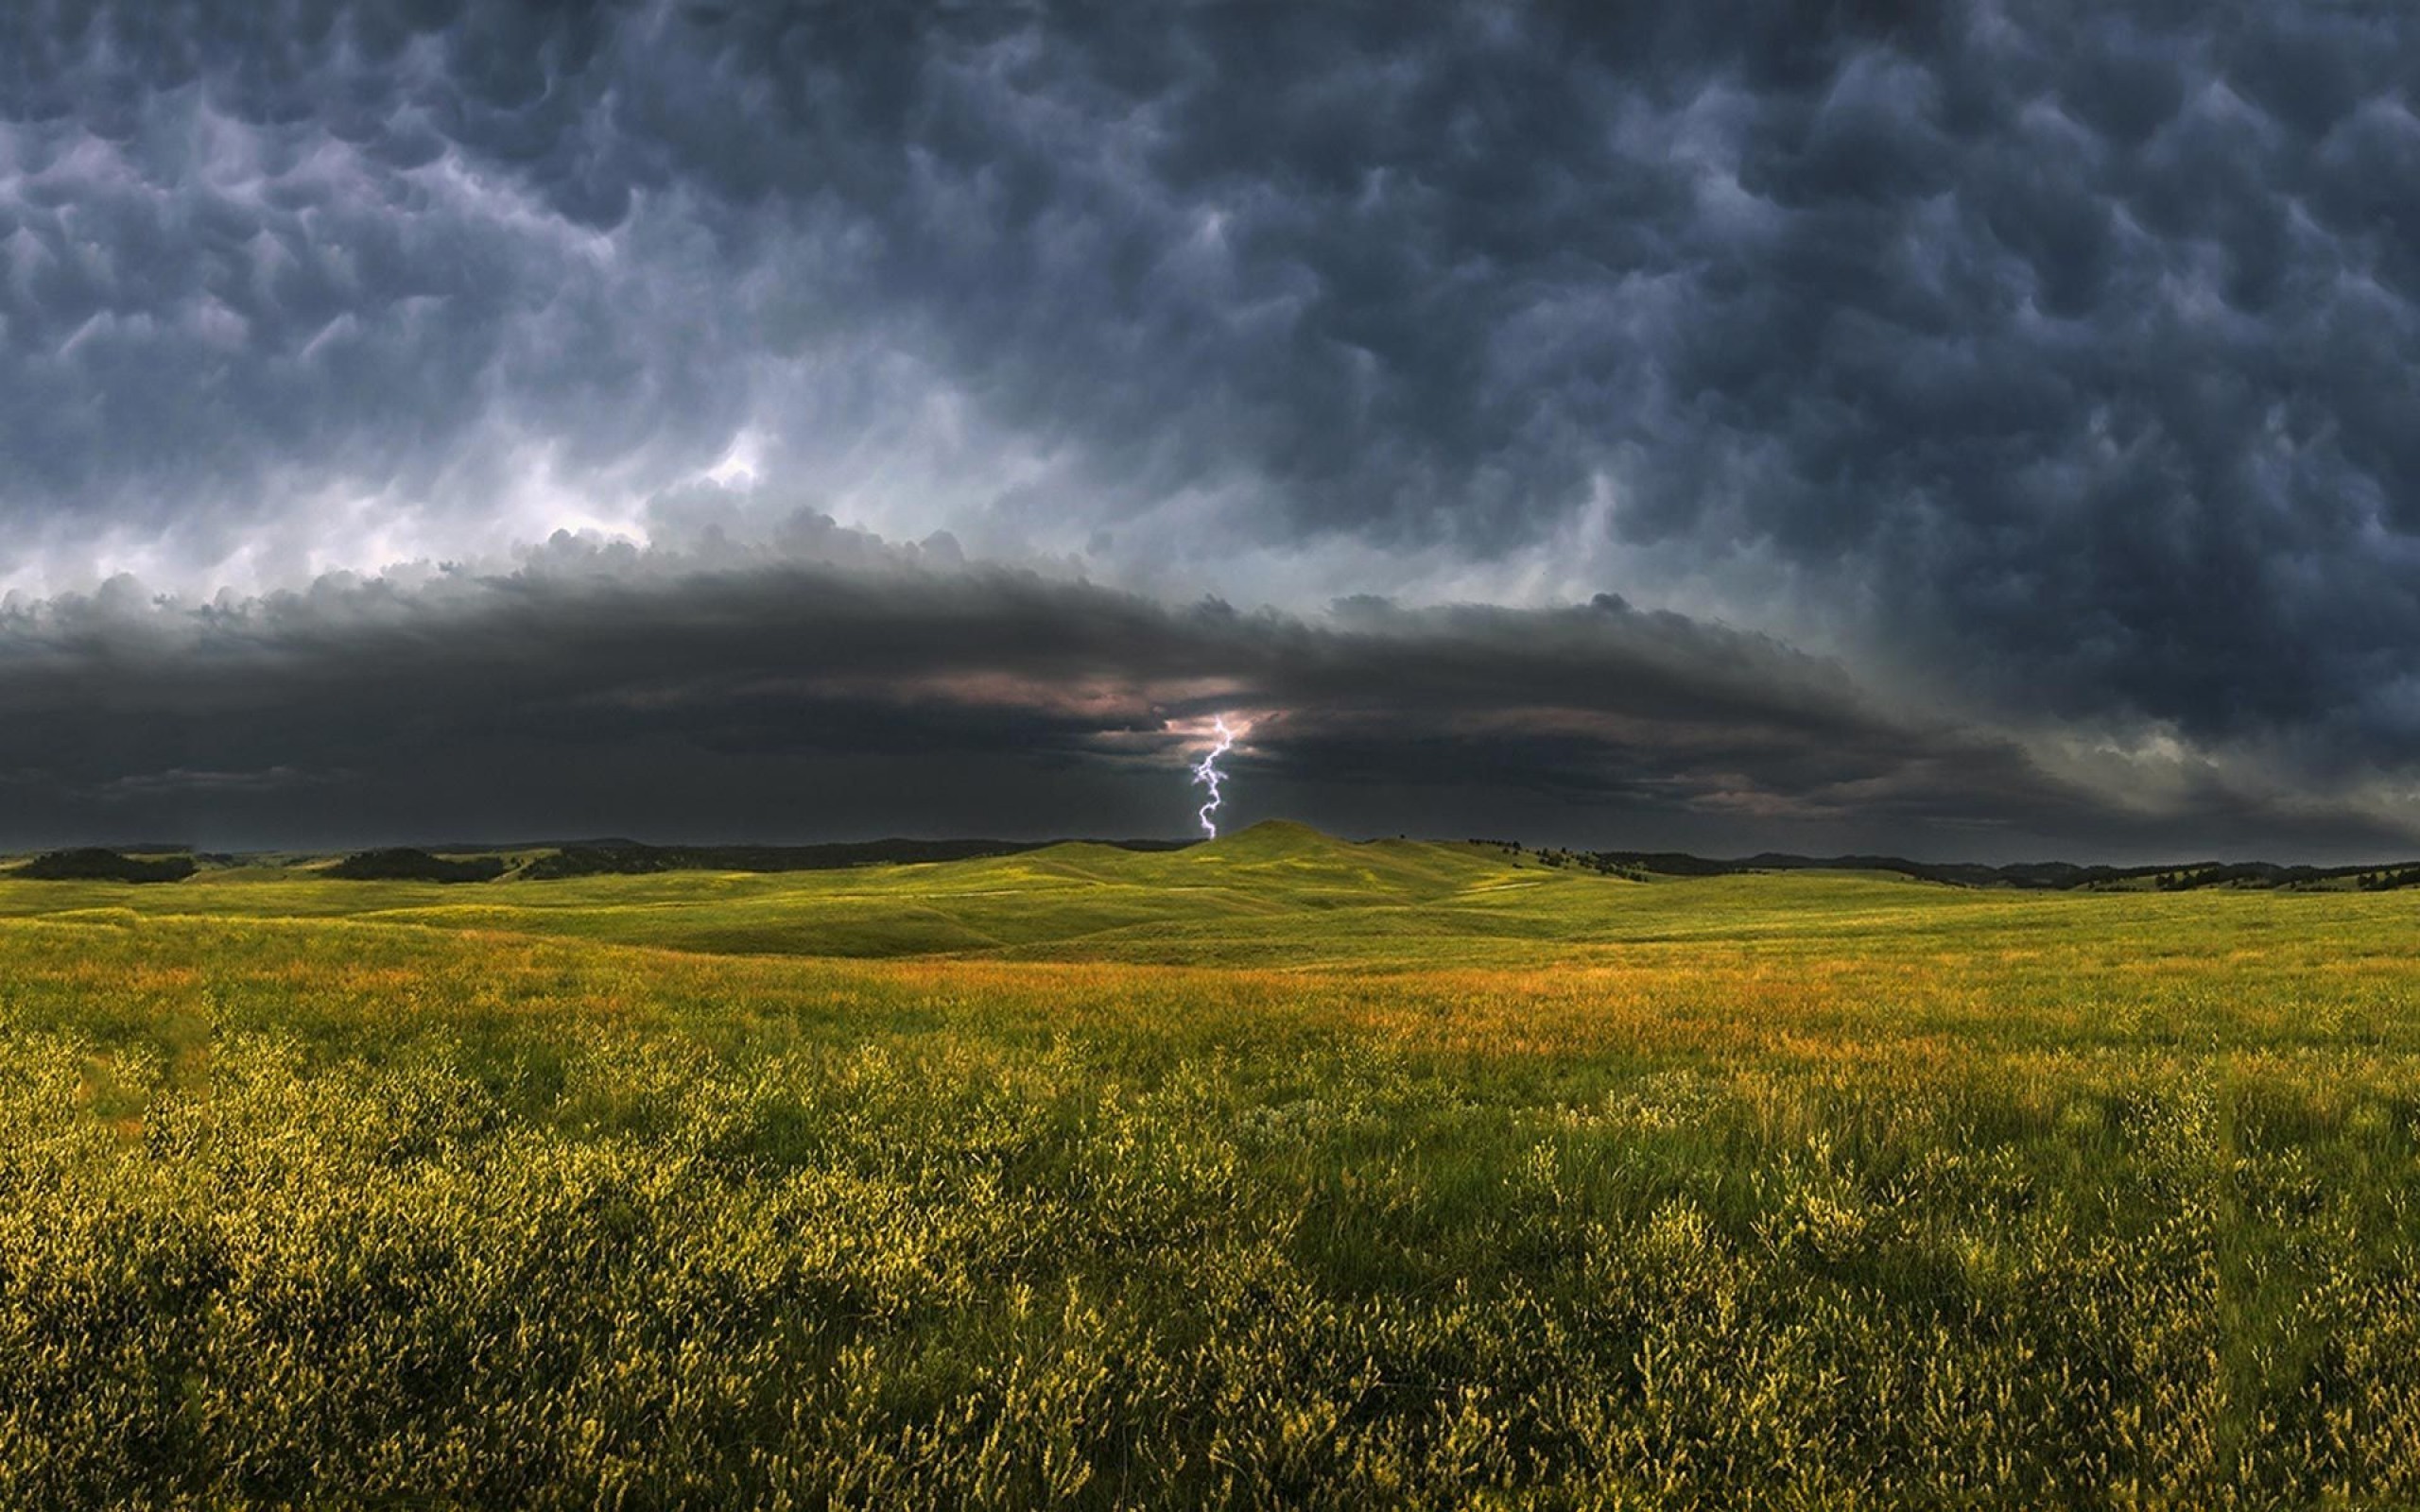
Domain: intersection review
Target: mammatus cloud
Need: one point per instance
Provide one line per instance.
(603, 689)
(2049, 367)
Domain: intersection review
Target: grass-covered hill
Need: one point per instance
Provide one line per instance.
(1276, 890)
(1281, 1171)
(1276, 894)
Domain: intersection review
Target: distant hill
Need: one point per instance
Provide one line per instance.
(92, 864)
(623, 858)
(1302, 855)
(626, 858)
(1275, 894)
(2051, 875)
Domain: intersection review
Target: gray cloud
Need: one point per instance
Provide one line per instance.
(2056, 363)
(601, 689)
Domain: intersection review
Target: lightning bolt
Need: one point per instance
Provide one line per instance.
(1206, 772)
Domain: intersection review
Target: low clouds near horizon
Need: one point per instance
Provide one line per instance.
(870, 688)
(1956, 429)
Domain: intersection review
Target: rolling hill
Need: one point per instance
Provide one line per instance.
(1276, 894)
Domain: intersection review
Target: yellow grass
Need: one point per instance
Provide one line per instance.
(1783, 1192)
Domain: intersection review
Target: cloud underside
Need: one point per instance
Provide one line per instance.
(2053, 367)
(644, 695)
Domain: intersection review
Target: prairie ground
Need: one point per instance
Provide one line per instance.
(1279, 1171)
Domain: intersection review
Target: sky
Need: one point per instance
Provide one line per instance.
(1969, 431)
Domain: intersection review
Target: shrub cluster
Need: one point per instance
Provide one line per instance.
(403, 864)
(95, 865)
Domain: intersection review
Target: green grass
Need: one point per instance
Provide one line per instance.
(1275, 1173)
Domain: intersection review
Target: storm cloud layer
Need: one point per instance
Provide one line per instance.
(880, 689)
(2045, 375)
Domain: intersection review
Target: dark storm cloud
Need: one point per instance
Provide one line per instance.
(608, 690)
(2063, 356)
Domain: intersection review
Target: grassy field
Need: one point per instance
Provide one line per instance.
(1278, 1172)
